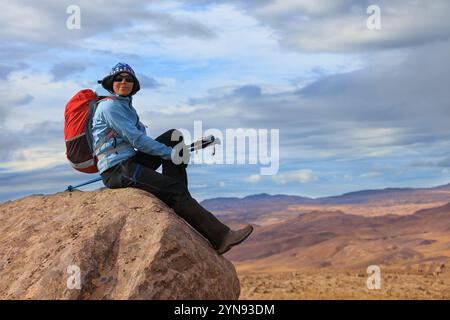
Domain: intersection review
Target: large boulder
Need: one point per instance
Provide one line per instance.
(125, 243)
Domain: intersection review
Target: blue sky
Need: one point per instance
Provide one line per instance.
(356, 108)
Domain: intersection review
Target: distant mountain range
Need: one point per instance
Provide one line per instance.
(399, 195)
(439, 193)
(398, 227)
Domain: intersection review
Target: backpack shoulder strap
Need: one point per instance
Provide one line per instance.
(88, 129)
(103, 98)
(111, 133)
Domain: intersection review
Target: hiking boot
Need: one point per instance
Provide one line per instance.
(234, 238)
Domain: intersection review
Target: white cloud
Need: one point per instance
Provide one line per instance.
(255, 178)
(302, 176)
(44, 22)
(25, 21)
(375, 136)
(236, 35)
(198, 186)
(340, 26)
(35, 157)
(180, 109)
(371, 174)
(49, 98)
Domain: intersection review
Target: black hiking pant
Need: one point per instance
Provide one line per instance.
(170, 186)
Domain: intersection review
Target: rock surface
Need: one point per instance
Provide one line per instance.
(126, 243)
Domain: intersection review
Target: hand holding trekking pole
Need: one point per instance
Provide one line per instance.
(181, 153)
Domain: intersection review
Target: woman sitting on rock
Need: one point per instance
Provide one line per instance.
(129, 158)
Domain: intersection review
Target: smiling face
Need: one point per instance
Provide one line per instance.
(123, 84)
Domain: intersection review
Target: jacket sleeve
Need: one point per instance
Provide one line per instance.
(142, 127)
(122, 123)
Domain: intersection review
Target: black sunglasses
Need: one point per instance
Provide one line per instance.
(119, 78)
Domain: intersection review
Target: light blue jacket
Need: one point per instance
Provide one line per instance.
(119, 116)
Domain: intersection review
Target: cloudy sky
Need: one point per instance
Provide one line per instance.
(355, 108)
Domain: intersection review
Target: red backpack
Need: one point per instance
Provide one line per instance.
(78, 130)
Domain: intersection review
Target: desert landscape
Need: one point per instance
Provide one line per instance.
(127, 244)
(338, 284)
(306, 248)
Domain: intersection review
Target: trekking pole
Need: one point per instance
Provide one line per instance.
(195, 146)
(204, 142)
(71, 188)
